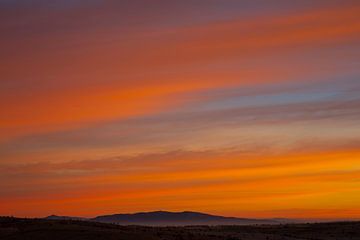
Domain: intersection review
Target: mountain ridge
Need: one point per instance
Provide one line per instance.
(167, 218)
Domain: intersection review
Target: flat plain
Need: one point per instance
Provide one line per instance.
(34, 229)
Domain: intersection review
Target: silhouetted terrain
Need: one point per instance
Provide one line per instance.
(55, 217)
(42, 229)
(163, 218)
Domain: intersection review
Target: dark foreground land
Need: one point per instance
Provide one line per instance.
(15, 228)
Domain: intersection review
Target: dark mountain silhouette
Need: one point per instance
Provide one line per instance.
(55, 217)
(161, 218)
(164, 218)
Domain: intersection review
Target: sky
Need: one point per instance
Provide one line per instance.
(247, 108)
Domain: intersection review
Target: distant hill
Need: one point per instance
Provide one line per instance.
(162, 218)
(55, 217)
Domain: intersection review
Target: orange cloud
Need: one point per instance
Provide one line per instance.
(126, 77)
(81, 78)
(309, 181)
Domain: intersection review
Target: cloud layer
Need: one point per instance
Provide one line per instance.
(108, 106)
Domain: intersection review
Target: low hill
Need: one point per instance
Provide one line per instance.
(163, 218)
(55, 217)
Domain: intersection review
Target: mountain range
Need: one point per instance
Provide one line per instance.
(164, 218)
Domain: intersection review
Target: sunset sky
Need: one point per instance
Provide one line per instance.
(247, 108)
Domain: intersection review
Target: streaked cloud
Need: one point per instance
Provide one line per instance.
(109, 106)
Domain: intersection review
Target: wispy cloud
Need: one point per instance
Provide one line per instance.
(210, 103)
